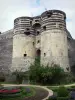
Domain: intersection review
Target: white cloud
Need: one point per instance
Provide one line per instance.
(10, 9)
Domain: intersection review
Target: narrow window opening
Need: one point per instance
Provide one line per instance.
(25, 55)
(38, 41)
(64, 17)
(44, 28)
(49, 14)
(38, 32)
(27, 29)
(44, 54)
(67, 68)
(38, 53)
(33, 43)
(30, 22)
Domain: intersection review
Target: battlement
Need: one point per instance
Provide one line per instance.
(48, 20)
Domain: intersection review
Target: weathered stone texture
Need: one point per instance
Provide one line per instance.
(46, 34)
(71, 51)
(6, 47)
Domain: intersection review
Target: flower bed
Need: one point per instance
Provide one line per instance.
(8, 93)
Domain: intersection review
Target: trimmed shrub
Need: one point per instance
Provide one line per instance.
(2, 77)
(63, 98)
(72, 86)
(62, 92)
(72, 95)
(52, 98)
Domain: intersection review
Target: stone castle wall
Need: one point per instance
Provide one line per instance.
(46, 33)
(6, 47)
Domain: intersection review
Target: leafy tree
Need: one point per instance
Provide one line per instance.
(2, 77)
(20, 76)
(34, 70)
(45, 74)
(62, 92)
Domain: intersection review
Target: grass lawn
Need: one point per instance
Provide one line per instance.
(55, 88)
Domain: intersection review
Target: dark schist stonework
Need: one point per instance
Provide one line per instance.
(6, 47)
(71, 51)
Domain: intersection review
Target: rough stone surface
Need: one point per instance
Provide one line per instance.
(6, 47)
(45, 36)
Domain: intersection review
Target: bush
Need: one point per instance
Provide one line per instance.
(69, 78)
(62, 92)
(2, 77)
(20, 76)
(63, 98)
(46, 74)
(54, 97)
(72, 86)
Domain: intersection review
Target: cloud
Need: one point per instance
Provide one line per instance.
(11, 9)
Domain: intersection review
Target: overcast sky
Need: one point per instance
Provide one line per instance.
(11, 9)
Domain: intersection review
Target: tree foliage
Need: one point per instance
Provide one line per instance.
(62, 92)
(45, 74)
(20, 76)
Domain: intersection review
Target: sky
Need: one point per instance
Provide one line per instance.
(11, 9)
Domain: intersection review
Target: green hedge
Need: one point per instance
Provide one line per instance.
(62, 92)
(10, 95)
(62, 98)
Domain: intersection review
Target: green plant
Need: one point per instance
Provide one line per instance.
(20, 76)
(2, 77)
(62, 98)
(62, 92)
(72, 86)
(45, 74)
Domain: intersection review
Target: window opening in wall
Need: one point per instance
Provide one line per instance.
(38, 41)
(49, 14)
(27, 29)
(44, 28)
(64, 17)
(27, 32)
(25, 55)
(44, 54)
(67, 68)
(33, 43)
(30, 22)
(38, 53)
(38, 32)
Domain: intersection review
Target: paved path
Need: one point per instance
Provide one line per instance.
(42, 93)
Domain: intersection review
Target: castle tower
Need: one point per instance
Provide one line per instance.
(23, 44)
(37, 30)
(54, 39)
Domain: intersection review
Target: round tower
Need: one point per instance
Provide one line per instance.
(54, 39)
(23, 44)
